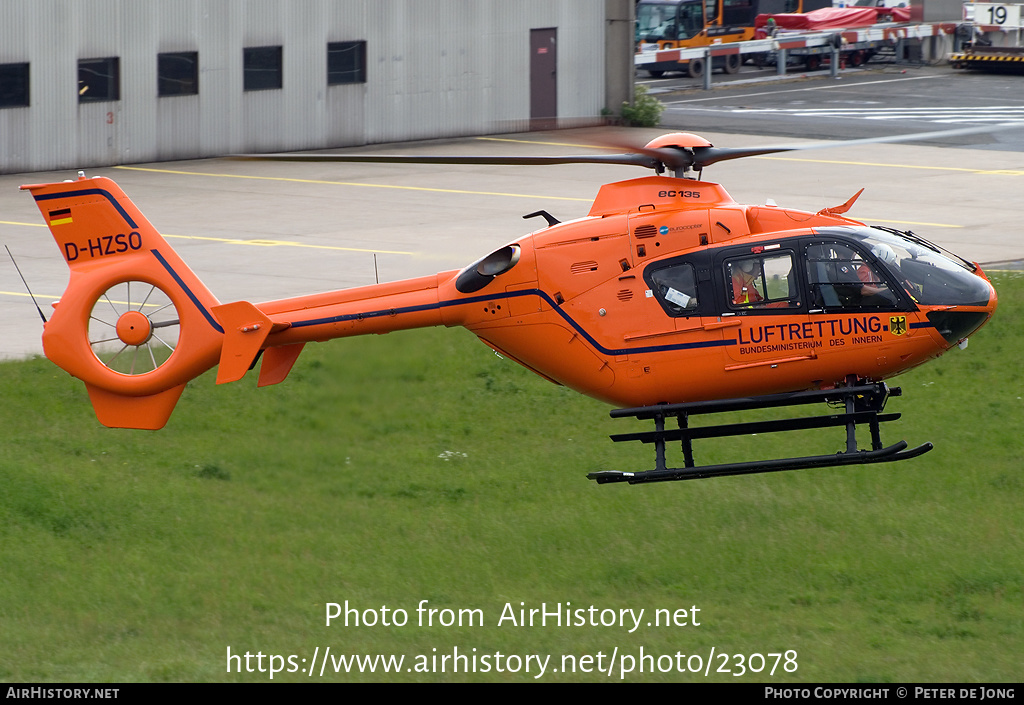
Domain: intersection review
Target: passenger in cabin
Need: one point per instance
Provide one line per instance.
(745, 277)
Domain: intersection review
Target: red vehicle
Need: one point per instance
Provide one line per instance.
(686, 24)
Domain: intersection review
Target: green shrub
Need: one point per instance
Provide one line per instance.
(645, 111)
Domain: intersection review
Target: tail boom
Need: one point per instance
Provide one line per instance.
(281, 328)
(379, 308)
(112, 251)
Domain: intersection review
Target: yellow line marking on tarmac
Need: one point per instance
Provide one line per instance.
(25, 295)
(285, 243)
(354, 183)
(909, 222)
(550, 144)
(999, 172)
(57, 298)
(257, 242)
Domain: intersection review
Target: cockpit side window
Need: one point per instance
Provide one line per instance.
(762, 281)
(675, 287)
(842, 277)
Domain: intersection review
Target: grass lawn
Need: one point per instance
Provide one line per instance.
(390, 470)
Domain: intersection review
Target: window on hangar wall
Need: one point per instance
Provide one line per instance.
(263, 68)
(13, 85)
(177, 73)
(346, 63)
(99, 79)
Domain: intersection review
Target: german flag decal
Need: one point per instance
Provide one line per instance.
(61, 217)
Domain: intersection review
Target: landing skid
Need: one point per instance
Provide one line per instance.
(861, 404)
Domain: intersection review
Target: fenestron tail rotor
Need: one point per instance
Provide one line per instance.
(134, 328)
(135, 323)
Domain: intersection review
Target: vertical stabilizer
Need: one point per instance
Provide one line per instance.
(135, 323)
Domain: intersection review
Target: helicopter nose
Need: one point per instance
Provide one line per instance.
(992, 300)
(955, 323)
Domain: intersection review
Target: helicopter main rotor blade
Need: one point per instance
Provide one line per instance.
(675, 158)
(705, 156)
(634, 159)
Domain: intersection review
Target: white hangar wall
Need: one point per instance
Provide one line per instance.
(434, 68)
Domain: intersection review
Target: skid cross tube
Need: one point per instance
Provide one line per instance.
(860, 404)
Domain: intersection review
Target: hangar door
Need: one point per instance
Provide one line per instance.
(543, 78)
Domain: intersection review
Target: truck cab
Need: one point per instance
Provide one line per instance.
(673, 24)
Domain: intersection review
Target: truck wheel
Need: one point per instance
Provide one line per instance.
(812, 62)
(695, 68)
(732, 63)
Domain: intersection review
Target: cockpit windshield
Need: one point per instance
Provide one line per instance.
(930, 277)
(655, 21)
(668, 21)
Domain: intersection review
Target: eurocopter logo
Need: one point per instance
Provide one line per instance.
(897, 325)
(665, 230)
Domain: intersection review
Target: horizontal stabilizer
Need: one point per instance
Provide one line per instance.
(120, 411)
(245, 329)
(277, 363)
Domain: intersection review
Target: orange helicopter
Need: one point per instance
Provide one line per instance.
(669, 299)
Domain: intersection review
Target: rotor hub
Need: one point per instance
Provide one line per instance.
(679, 140)
(134, 328)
